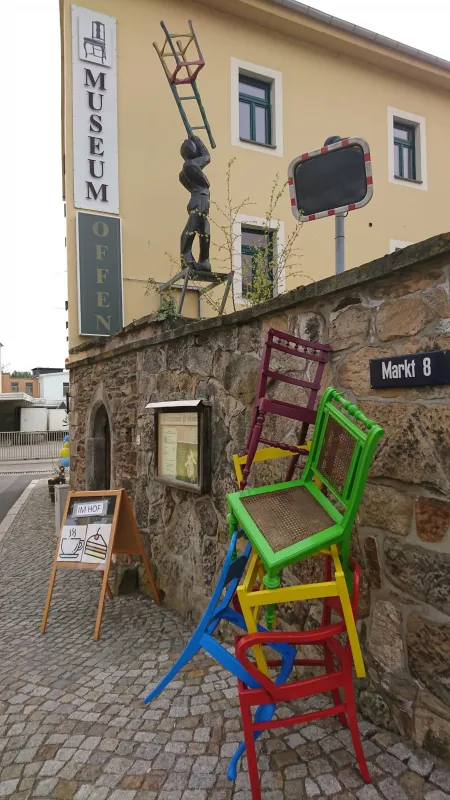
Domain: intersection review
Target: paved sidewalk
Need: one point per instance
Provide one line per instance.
(72, 722)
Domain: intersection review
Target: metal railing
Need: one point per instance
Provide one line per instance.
(30, 445)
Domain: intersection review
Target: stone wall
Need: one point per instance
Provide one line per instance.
(399, 304)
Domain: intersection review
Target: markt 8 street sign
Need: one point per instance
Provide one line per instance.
(419, 369)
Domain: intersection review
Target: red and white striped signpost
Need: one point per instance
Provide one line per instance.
(332, 181)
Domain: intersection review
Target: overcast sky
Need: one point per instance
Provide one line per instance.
(33, 264)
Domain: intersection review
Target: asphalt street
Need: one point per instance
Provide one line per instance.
(11, 487)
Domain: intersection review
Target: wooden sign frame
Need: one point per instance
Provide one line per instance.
(124, 539)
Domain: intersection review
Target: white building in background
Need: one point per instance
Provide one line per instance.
(46, 412)
(54, 386)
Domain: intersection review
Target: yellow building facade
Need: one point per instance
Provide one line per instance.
(311, 77)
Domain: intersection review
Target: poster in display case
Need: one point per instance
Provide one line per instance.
(183, 444)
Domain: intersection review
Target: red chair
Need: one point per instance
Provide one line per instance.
(314, 352)
(333, 680)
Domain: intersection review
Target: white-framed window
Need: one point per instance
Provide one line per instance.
(407, 149)
(248, 231)
(256, 107)
(396, 244)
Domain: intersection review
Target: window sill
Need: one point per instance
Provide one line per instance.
(407, 180)
(258, 144)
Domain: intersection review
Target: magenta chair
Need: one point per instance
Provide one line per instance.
(313, 352)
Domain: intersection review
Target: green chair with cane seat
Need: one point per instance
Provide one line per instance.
(289, 522)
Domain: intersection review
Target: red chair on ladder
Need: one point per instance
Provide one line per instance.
(313, 352)
(337, 662)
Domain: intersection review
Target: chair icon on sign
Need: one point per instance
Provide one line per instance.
(96, 45)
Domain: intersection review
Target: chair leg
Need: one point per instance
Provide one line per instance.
(232, 528)
(253, 445)
(349, 619)
(189, 652)
(294, 460)
(252, 627)
(271, 583)
(352, 632)
(263, 713)
(251, 752)
(335, 693)
(292, 465)
(350, 708)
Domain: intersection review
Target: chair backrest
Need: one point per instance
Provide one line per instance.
(313, 636)
(341, 453)
(230, 575)
(218, 610)
(281, 342)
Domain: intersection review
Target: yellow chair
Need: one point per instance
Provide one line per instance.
(251, 600)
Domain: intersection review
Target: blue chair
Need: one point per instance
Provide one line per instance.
(262, 714)
(217, 610)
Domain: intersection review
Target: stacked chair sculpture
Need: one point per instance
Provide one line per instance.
(284, 524)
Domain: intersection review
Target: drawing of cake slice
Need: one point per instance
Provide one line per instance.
(96, 547)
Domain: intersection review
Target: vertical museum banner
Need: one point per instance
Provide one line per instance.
(100, 299)
(94, 107)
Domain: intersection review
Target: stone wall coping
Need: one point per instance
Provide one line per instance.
(412, 256)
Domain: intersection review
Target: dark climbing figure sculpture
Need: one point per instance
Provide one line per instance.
(196, 158)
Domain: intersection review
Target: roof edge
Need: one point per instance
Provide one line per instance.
(364, 33)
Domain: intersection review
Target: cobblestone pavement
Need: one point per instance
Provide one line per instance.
(72, 722)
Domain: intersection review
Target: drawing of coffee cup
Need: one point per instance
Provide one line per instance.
(70, 547)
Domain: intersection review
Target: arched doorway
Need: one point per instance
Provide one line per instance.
(100, 475)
